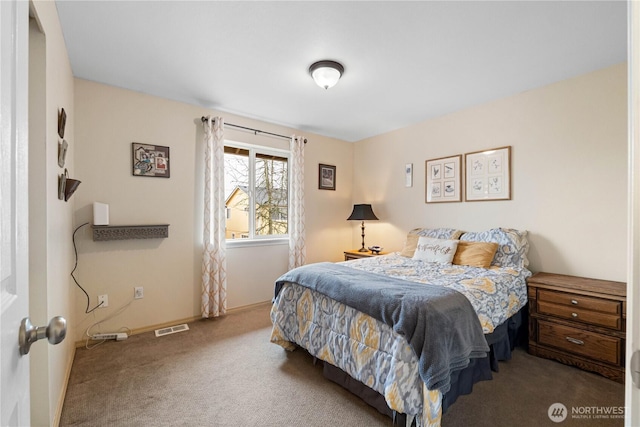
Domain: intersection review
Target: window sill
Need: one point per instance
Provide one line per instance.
(244, 243)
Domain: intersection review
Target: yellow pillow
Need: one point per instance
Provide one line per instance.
(410, 245)
(475, 254)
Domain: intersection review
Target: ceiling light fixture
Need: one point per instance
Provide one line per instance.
(326, 73)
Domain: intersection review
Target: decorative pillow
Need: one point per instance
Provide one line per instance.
(436, 233)
(435, 250)
(410, 245)
(513, 245)
(475, 254)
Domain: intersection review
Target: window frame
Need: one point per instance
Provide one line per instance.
(253, 240)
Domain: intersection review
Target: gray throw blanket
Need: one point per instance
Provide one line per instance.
(439, 324)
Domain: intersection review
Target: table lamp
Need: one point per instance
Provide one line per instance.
(362, 213)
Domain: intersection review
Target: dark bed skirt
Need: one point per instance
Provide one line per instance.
(501, 342)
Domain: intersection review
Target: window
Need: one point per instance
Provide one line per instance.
(256, 191)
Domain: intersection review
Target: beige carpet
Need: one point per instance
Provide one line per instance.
(224, 372)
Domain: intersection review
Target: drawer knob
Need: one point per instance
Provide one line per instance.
(575, 341)
(574, 314)
(574, 302)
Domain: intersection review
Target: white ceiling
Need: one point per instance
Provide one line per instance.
(405, 62)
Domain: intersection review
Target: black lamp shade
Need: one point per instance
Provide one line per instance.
(362, 213)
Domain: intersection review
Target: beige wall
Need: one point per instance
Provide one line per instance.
(108, 121)
(569, 190)
(569, 174)
(50, 226)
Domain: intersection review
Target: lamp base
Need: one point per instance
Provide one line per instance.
(363, 249)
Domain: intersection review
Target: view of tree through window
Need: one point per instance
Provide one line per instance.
(256, 191)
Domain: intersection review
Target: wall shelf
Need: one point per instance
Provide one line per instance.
(126, 232)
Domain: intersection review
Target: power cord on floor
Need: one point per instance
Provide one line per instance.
(87, 311)
(75, 250)
(111, 316)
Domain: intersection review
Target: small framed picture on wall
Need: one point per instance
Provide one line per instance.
(443, 180)
(326, 177)
(150, 160)
(408, 175)
(488, 175)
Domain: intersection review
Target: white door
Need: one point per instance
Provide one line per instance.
(632, 392)
(14, 287)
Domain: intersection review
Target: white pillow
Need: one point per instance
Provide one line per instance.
(435, 250)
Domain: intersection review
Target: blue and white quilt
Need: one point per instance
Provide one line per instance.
(496, 293)
(368, 349)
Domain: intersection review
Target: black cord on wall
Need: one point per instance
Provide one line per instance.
(75, 250)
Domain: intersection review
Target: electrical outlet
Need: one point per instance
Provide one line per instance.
(138, 292)
(103, 301)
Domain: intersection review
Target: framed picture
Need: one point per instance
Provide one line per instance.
(150, 160)
(326, 177)
(443, 180)
(488, 175)
(408, 175)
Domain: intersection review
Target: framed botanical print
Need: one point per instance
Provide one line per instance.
(443, 180)
(488, 175)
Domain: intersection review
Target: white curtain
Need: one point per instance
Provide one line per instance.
(214, 259)
(297, 248)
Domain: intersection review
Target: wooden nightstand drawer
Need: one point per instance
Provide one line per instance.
(578, 341)
(578, 321)
(613, 321)
(580, 301)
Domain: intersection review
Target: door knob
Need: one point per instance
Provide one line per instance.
(55, 332)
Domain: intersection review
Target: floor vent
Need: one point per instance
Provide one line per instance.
(172, 330)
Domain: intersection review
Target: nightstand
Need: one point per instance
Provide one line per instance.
(354, 254)
(579, 322)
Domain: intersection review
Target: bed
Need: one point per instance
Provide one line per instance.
(412, 330)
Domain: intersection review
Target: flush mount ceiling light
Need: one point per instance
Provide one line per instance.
(326, 73)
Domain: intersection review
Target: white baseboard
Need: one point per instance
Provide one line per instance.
(67, 376)
(151, 328)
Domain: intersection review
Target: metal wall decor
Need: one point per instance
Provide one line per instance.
(62, 152)
(66, 186)
(62, 121)
(126, 232)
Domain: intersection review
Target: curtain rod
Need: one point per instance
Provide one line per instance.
(255, 131)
